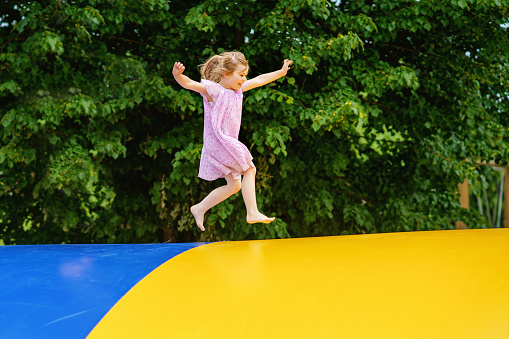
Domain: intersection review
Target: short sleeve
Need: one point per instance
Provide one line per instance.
(213, 89)
(244, 86)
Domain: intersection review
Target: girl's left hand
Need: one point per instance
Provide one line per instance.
(286, 65)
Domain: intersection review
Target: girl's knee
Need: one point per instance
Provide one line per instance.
(235, 186)
(251, 169)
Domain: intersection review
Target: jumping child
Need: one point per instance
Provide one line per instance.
(223, 155)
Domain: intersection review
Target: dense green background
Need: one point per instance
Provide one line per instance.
(389, 104)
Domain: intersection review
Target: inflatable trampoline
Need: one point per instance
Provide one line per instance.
(441, 284)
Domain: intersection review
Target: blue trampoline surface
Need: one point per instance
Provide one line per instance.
(62, 291)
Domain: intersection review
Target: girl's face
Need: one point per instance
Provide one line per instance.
(235, 79)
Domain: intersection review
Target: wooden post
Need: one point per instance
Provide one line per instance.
(464, 201)
(506, 197)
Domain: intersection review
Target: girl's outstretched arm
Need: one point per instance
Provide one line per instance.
(264, 79)
(188, 83)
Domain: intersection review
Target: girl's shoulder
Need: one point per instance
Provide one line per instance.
(213, 88)
(209, 82)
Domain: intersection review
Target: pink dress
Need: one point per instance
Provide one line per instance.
(222, 152)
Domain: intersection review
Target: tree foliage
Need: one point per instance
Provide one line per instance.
(388, 106)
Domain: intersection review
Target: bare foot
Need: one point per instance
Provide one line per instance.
(258, 218)
(198, 216)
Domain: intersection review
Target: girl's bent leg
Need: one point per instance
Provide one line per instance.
(249, 195)
(215, 197)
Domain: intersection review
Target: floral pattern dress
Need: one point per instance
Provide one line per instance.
(222, 152)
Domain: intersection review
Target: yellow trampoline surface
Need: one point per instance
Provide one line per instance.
(441, 284)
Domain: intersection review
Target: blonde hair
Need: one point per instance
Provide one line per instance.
(224, 63)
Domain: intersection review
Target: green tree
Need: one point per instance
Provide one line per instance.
(388, 106)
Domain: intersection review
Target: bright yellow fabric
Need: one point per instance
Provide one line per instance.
(441, 284)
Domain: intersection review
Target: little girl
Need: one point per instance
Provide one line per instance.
(223, 155)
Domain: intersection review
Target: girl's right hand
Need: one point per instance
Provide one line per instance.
(178, 69)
